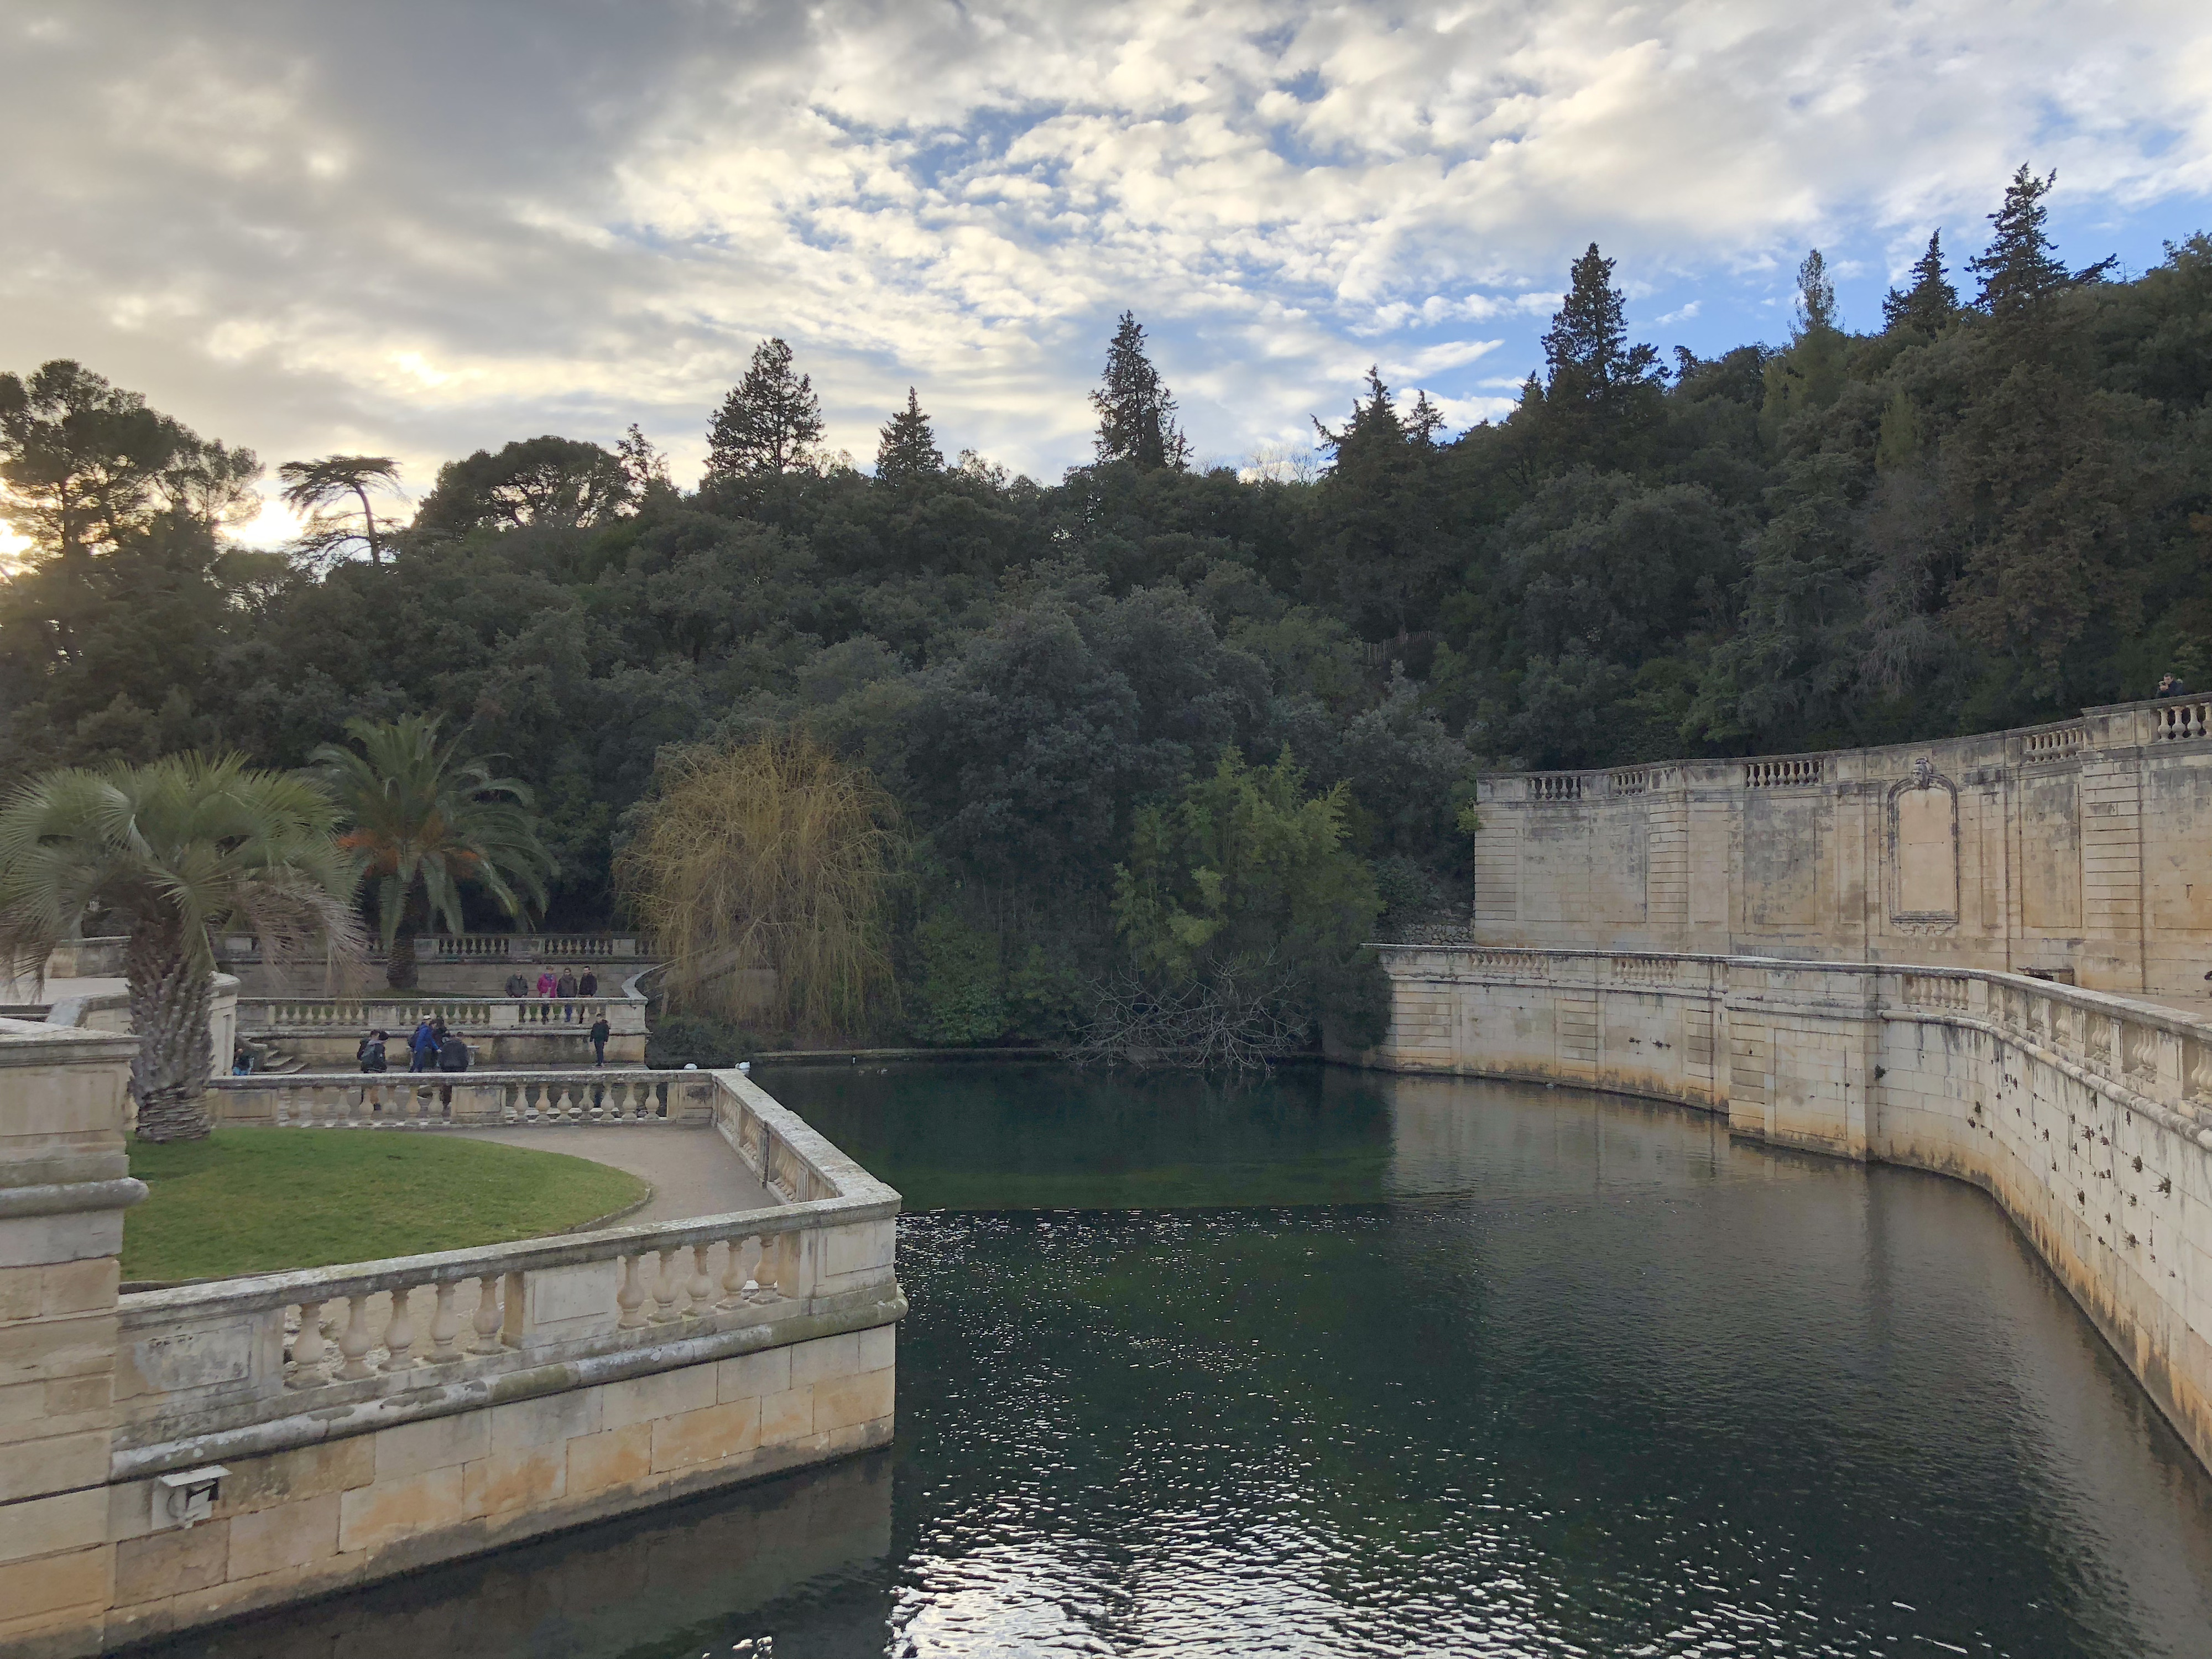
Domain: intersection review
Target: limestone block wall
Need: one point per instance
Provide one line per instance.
(316, 1517)
(2080, 849)
(2087, 1117)
(344, 1424)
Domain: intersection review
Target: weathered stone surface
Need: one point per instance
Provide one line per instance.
(2088, 1118)
(461, 1437)
(2082, 848)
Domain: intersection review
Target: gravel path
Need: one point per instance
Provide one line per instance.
(693, 1172)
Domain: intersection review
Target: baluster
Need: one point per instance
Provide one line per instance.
(445, 1325)
(399, 1335)
(764, 1286)
(307, 1347)
(702, 1287)
(736, 1272)
(631, 1297)
(666, 1288)
(486, 1323)
(354, 1344)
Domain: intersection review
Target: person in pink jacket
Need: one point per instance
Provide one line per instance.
(546, 982)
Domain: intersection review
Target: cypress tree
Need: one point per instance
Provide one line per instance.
(1930, 305)
(769, 422)
(1136, 414)
(908, 451)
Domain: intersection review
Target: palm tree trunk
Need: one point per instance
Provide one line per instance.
(399, 963)
(169, 999)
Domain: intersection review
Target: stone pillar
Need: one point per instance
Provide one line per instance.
(63, 1186)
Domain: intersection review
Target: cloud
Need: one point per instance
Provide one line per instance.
(420, 229)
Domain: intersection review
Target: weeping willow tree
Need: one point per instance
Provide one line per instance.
(766, 864)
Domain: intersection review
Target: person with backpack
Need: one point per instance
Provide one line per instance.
(422, 1048)
(371, 1052)
(599, 1035)
(452, 1052)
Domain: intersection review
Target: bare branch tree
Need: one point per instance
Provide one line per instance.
(1241, 1015)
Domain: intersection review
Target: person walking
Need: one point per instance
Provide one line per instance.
(588, 986)
(566, 986)
(599, 1035)
(422, 1048)
(371, 1054)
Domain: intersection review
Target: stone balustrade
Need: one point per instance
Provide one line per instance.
(539, 1033)
(2080, 847)
(281, 1015)
(489, 947)
(247, 1365)
(2086, 1116)
(399, 1100)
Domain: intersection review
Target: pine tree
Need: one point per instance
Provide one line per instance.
(2018, 269)
(1374, 434)
(1426, 421)
(909, 451)
(1930, 305)
(1136, 414)
(770, 422)
(1599, 390)
(1810, 372)
(1586, 348)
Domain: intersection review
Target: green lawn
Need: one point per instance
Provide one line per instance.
(262, 1200)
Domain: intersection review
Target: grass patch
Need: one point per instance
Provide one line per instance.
(265, 1201)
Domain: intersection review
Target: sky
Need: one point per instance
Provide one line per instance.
(420, 229)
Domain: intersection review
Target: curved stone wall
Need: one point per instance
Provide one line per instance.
(2086, 1117)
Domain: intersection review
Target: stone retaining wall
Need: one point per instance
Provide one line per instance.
(2087, 1117)
(2082, 848)
(340, 1424)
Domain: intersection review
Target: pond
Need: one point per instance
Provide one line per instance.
(1349, 1364)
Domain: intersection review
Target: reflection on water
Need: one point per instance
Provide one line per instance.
(1475, 1368)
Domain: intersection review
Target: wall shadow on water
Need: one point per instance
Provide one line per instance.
(688, 1578)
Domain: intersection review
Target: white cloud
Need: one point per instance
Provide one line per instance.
(411, 228)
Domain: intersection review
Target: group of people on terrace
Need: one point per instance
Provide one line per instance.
(570, 983)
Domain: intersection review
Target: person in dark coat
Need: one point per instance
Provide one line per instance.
(599, 1035)
(2172, 686)
(518, 984)
(452, 1052)
(422, 1048)
(566, 986)
(371, 1054)
(589, 985)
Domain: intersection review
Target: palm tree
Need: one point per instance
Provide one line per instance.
(166, 853)
(310, 487)
(424, 822)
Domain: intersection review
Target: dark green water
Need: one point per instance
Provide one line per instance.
(1346, 1365)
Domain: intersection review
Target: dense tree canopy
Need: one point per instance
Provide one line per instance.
(1987, 512)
